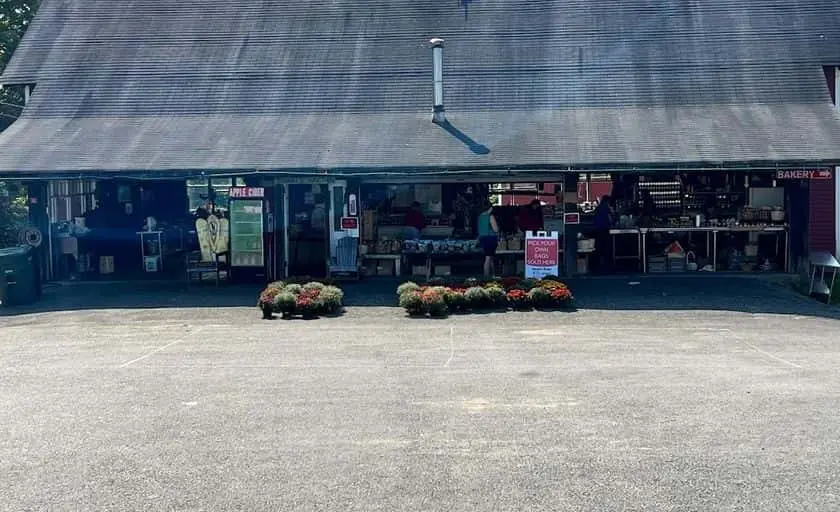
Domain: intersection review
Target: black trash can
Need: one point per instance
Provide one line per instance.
(18, 284)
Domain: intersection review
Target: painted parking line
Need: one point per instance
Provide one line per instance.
(153, 352)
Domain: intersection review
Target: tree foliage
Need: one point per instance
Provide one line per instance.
(15, 16)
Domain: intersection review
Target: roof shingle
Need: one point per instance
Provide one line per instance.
(288, 84)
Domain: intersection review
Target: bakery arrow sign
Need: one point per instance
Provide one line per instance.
(804, 175)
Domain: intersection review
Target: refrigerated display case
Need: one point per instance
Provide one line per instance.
(247, 227)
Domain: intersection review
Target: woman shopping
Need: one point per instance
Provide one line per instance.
(488, 237)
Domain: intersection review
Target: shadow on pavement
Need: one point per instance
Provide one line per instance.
(640, 293)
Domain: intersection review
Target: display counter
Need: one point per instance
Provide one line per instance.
(711, 234)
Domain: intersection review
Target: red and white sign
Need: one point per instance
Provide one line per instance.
(571, 218)
(350, 225)
(821, 174)
(541, 254)
(247, 192)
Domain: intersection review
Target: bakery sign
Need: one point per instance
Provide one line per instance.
(804, 175)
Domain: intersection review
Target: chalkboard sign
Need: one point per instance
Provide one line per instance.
(246, 233)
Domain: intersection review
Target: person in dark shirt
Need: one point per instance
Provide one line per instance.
(531, 217)
(603, 241)
(415, 221)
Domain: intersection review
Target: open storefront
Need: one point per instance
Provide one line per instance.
(433, 229)
(716, 221)
(760, 221)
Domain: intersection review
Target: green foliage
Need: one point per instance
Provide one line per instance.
(440, 290)
(408, 286)
(331, 299)
(434, 302)
(284, 303)
(528, 284)
(13, 212)
(455, 300)
(412, 302)
(497, 296)
(314, 285)
(471, 282)
(540, 297)
(293, 288)
(477, 297)
(267, 297)
(15, 16)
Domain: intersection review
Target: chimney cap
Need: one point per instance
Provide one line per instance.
(436, 41)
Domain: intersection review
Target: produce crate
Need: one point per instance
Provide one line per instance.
(676, 264)
(656, 264)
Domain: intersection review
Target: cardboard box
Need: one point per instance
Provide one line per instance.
(106, 264)
(583, 265)
(443, 270)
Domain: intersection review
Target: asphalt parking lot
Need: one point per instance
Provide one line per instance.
(710, 401)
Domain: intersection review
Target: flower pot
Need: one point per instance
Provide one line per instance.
(267, 312)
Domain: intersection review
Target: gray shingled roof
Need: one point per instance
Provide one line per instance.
(156, 85)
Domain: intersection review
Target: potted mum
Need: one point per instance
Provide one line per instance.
(561, 297)
(306, 306)
(412, 302)
(477, 298)
(455, 299)
(496, 296)
(434, 303)
(408, 286)
(284, 303)
(540, 297)
(518, 300)
(266, 302)
(331, 298)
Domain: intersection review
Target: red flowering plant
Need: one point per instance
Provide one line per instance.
(561, 296)
(455, 299)
(433, 302)
(306, 303)
(412, 302)
(267, 296)
(518, 299)
(266, 301)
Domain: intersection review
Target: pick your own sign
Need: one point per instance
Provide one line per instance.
(541, 254)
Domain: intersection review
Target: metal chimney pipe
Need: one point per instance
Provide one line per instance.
(439, 115)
